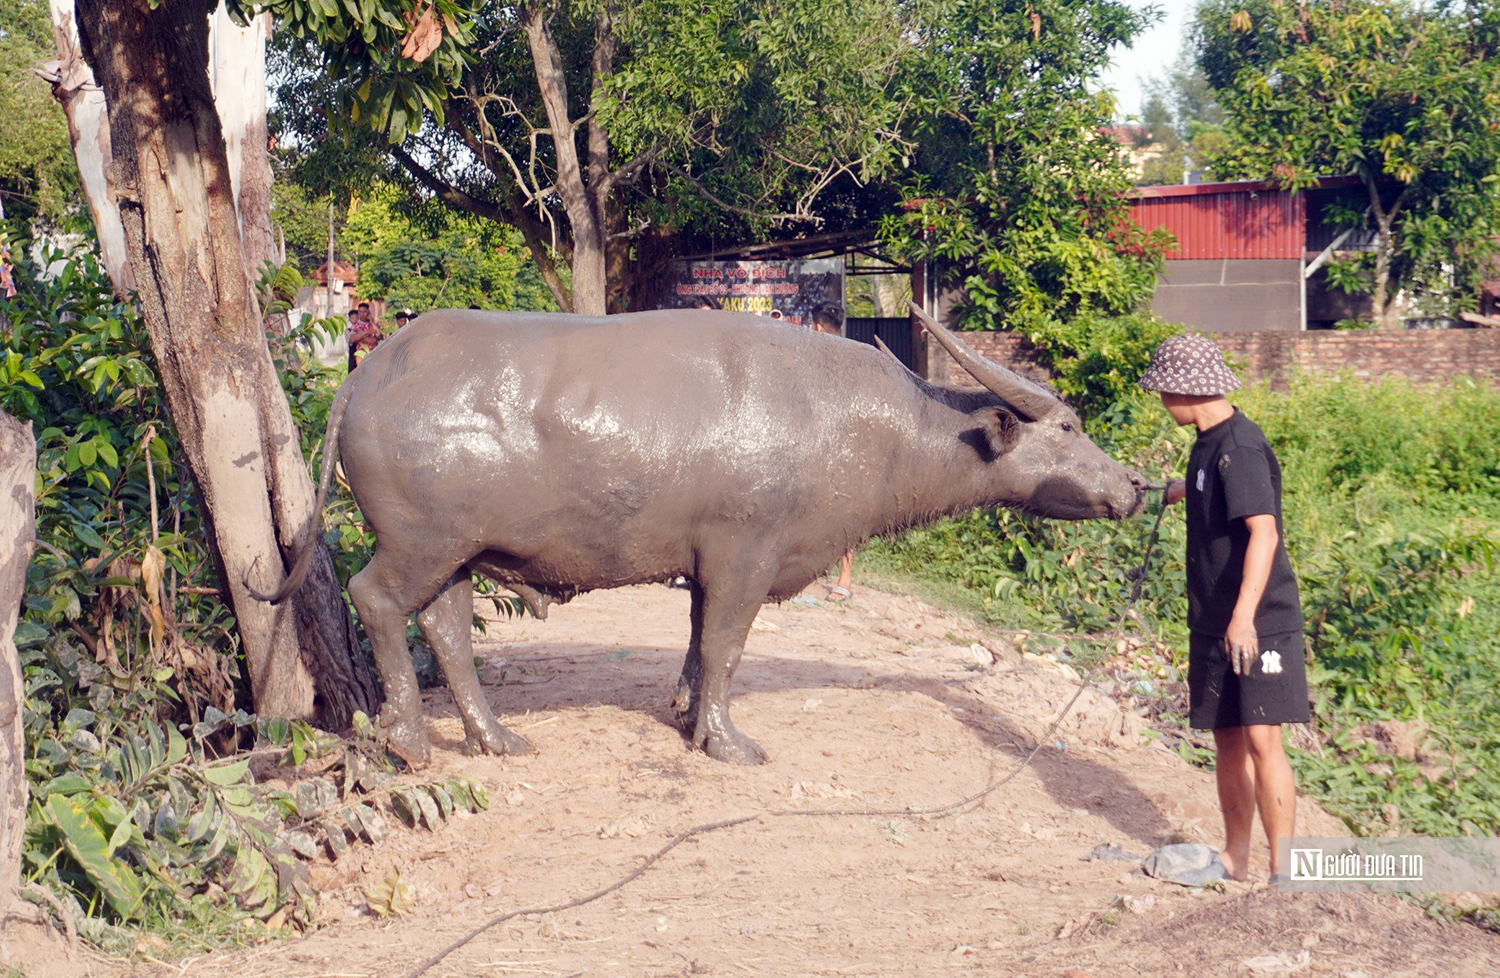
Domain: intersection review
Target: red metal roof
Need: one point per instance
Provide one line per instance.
(1241, 219)
(1226, 220)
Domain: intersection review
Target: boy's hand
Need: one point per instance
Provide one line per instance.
(1242, 646)
(1176, 489)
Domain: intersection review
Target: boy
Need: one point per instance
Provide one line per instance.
(1246, 673)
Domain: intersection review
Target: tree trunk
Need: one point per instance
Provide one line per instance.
(88, 129)
(589, 264)
(888, 295)
(1383, 302)
(1383, 296)
(17, 475)
(237, 75)
(176, 205)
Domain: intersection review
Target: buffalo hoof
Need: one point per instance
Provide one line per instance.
(407, 739)
(495, 739)
(729, 745)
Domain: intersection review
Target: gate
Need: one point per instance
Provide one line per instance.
(894, 332)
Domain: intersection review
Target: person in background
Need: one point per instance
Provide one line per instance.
(403, 317)
(1246, 672)
(7, 273)
(363, 334)
(829, 319)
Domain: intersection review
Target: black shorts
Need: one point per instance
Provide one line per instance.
(1221, 699)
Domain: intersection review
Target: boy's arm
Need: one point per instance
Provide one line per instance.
(1240, 640)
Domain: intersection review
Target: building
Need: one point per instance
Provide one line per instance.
(1251, 256)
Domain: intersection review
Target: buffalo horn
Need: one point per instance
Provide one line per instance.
(1027, 398)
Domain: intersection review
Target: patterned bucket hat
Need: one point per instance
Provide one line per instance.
(1189, 364)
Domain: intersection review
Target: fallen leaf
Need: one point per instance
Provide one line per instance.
(391, 898)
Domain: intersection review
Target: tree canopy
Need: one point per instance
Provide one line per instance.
(1403, 94)
(433, 257)
(38, 179)
(601, 130)
(1183, 122)
(1017, 186)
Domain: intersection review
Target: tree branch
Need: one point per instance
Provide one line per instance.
(450, 194)
(722, 204)
(510, 215)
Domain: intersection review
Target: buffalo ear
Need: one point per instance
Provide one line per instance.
(1001, 429)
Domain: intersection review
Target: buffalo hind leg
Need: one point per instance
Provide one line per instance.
(447, 621)
(385, 594)
(726, 624)
(690, 683)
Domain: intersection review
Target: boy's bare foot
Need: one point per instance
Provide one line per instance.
(1238, 867)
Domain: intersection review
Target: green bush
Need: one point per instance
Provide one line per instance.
(144, 807)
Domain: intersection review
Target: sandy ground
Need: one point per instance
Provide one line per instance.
(883, 704)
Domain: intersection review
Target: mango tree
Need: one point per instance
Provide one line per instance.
(1404, 95)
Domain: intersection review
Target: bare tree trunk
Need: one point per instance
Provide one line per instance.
(590, 272)
(1383, 302)
(237, 75)
(176, 205)
(1383, 297)
(17, 474)
(88, 129)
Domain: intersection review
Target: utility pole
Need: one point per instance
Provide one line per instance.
(328, 311)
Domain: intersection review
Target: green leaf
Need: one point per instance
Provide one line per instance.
(226, 774)
(86, 533)
(120, 835)
(87, 846)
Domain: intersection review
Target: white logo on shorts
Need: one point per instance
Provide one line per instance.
(1200, 480)
(1270, 662)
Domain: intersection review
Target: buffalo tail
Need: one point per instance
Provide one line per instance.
(307, 547)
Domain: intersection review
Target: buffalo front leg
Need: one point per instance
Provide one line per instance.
(726, 624)
(447, 621)
(690, 683)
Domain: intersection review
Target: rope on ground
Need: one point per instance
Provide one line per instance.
(597, 894)
(941, 811)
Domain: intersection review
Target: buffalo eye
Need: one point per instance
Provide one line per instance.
(1067, 426)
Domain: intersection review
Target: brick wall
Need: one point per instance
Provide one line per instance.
(1421, 354)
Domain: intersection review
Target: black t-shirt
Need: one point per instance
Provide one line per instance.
(1232, 473)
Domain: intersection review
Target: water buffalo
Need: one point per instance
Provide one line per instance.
(556, 454)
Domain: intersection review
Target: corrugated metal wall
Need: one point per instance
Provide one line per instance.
(1208, 223)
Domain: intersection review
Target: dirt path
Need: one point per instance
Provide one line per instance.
(883, 704)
